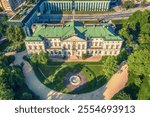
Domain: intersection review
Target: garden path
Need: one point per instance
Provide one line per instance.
(46, 93)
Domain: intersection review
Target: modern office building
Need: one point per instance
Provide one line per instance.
(74, 39)
(10, 5)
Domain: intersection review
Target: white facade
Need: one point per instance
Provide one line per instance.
(75, 46)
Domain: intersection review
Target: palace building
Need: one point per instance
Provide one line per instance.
(74, 39)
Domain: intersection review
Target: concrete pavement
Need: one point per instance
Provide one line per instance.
(122, 14)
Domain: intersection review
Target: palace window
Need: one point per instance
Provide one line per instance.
(52, 52)
(59, 44)
(83, 46)
(55, 43)
(30, 47)
(95, 43)
(100, 43)
(79, 46)
(35, 47)
(59, 52)
(107, 46)
(64, 46)
(106, 52)
(95, 52)
(112, 46)
(40, 47)
(99, 52)
(56, 52)
(117, 46)
(69, 47)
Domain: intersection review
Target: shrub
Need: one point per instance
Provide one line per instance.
(84, 56)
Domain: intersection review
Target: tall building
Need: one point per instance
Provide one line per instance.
(74, 39)
(10, 5)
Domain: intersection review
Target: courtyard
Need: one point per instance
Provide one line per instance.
(56, 76)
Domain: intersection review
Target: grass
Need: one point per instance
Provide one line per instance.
(55, 71)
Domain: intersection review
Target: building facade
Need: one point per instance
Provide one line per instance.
(96, 5)
(10, 5)
(74, 39)
(41, 12)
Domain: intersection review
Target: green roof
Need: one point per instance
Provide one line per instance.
(74, 28)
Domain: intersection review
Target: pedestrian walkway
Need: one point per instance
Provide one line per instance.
(46, 93)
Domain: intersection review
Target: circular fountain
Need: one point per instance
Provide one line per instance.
(75, 80)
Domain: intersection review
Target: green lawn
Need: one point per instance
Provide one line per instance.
(52, 75)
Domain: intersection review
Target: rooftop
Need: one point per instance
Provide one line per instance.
(74, 28)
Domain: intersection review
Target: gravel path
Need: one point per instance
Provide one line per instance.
(46, 93)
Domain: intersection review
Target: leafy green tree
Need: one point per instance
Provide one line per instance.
(139, 62)
(6, 93)
(122, 56)
(14, 34)
(122, 96)
(144, 90)
(144, 38)
(145, 28)
(43, 58)
(26, 96)
(84, 56)
(34, 58)
(137, 82)
(110, 66)
(128, 4)
(3, 25)
(137, 24)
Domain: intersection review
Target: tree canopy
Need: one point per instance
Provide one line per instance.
(110, 66)
(137, 24)
(139, 62)
(14, 34)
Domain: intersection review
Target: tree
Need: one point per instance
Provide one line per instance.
(26, 96)
(144, 38)
(137, 24)
(139, 62)
(42, 57)
(128, 4)
(145, 28)
(6, 93)
(3, 25)
(122, 56)
(144, 89)
(14, 34)
(122, 96)
(84, 56)
(137, 81)
(110, 66)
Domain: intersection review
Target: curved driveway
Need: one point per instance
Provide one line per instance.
(46, 93)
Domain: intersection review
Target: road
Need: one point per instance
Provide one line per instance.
(116, 15)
